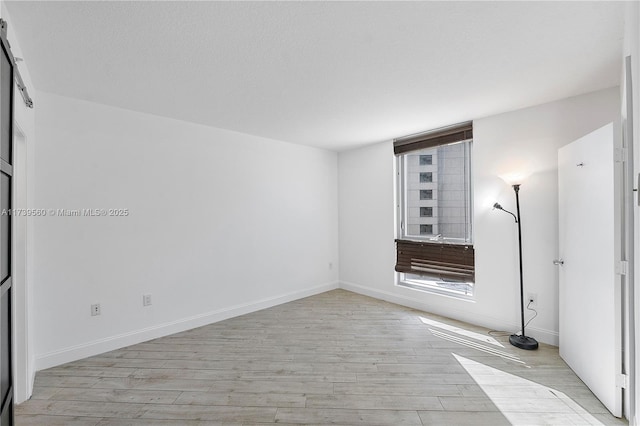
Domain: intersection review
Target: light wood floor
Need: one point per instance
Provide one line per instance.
(334, 358)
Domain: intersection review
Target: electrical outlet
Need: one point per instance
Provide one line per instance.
(95, 309)
(532, 300)
(146, 300)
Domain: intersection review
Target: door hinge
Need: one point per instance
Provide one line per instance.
(620, 155)
(622, 267)
(402, 225)
(622, 381)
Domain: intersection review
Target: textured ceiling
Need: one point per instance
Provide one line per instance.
(329, 74)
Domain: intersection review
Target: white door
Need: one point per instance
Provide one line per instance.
(589, 233)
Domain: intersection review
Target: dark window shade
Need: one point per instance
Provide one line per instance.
(442, 136)
(443, 261)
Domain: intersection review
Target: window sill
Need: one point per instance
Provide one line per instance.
(456, 290)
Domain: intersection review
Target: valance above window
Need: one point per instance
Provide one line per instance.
(442, 136)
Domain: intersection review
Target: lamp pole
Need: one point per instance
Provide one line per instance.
(521, 341)
(516, 189)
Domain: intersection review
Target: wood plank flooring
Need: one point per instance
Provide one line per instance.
(334, 358)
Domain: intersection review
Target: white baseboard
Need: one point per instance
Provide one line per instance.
(545, 336)
(99, 346)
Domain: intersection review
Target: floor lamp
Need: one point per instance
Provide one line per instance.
(521, 341)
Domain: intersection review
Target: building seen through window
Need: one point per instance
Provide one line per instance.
(426, 159)
(426, 177)
(438, 192)
(426, 211)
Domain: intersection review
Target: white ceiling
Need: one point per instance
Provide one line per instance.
(329, 74)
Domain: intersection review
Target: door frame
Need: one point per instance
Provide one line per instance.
(628, 244)
(22, 136)
(22, 345)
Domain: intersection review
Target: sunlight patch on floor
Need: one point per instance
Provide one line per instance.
(475, 345)
(461, 331)
(524, 402)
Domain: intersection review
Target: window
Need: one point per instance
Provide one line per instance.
(426, 160)
(426, 229)
(426, 211)
(434, 245)
(426, 194)
(426, 177)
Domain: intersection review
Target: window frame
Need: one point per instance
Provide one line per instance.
(402, 211)
(432, 285)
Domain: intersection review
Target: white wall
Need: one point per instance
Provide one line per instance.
(527, 138)
(220, 224)
(23, 181)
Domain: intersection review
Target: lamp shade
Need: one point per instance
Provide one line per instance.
(515, 178)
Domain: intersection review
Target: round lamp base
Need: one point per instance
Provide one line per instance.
(523, 342)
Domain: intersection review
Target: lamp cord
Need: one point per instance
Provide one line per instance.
(498, 333)
(535, 313)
